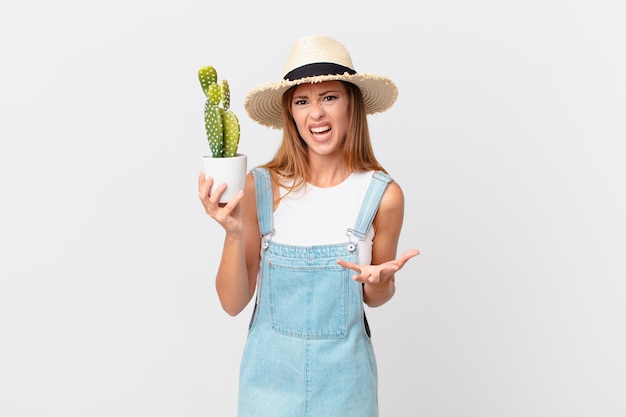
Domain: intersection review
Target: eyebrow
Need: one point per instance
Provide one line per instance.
(323, 93)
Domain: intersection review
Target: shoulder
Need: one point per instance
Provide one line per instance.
(249, 195)
(249, 181)
(391, 210)
(251, 186)
(393, 198)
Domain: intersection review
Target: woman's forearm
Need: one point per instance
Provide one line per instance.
(375, 295)
(232, 281)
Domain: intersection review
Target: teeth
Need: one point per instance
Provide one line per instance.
(320, 129)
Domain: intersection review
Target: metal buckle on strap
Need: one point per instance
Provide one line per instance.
(266, 240)
(353, 234)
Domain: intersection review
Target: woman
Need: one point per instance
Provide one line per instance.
(314, 234)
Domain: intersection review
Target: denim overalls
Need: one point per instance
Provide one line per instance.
(308, 351)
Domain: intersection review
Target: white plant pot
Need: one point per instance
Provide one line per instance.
(231, 171)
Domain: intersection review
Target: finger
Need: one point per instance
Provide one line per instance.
(367, 278)
(373, 279)
(364, 279)
(407, 255)
(204, 185)
(217, 193)
(349, 265)
(234, 201)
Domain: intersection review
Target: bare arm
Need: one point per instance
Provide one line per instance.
(236, 276)
(379, 277)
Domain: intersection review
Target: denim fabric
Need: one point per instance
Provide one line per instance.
(308, 352)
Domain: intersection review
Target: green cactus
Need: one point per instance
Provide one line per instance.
(221, 123)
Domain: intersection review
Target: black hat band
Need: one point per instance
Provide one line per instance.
(316, 69)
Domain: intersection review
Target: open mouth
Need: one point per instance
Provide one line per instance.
(320, 130)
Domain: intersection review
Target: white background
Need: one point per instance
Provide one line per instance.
(507, 138)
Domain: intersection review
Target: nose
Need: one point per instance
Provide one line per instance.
(317, 110)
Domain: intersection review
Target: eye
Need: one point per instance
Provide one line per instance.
(299, 102)
(330, 98)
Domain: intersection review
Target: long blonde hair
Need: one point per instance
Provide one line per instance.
(291, 161)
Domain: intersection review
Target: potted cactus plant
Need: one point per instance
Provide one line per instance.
(224, 164)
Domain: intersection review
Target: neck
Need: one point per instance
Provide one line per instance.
(328, 175)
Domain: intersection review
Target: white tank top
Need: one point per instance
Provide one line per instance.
(321, 216)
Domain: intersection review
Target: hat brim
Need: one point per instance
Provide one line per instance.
(263, 103)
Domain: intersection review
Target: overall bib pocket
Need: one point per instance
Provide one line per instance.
(309, 302)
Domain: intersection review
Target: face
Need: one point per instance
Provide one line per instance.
(320, 111)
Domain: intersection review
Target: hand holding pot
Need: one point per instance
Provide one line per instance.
(228, 215)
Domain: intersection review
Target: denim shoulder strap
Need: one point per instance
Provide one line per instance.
(264, 200)
(370, 204)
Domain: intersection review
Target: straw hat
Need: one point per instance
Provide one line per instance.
(315, 59)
